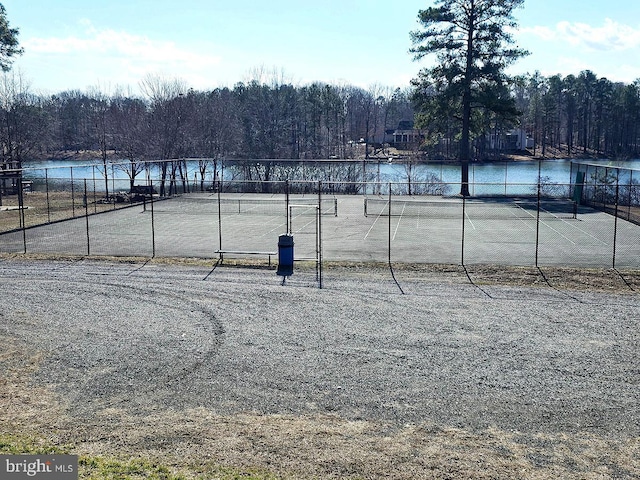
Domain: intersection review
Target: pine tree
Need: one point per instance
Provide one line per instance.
(9, 46)
(472, 42)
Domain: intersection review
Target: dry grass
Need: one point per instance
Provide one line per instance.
(42, 208)
(563, 278)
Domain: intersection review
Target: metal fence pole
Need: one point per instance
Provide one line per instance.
(46, 187)
(506, 176)
(389, 215)
(572, 178)
(73, 197)
(113, 185)
(95, 198)
(219, 184)
(153, 224)
(86, 216)
(21, 210)
(286, 205)
(21, 218)
(538, 214)
(319, 234)
(464, 200)
(629, 187)
(615, 218)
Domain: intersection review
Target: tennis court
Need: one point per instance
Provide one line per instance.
(496, 230)
(354, 228)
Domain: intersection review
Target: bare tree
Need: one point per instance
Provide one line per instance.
(166, 123)
(130, 131)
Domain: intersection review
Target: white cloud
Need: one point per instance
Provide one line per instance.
(610, 36)
(119, 56)
(545, 33)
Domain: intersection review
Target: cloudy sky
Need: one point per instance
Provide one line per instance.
(83, 44)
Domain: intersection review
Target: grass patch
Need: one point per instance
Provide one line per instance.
(135, 468)
(23, 445)
(96, 467)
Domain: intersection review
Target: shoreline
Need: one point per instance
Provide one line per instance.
(399, 157)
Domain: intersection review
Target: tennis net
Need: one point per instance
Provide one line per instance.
(480, 209)
(211, 204)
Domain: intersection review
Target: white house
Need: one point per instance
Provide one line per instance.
(516, 139)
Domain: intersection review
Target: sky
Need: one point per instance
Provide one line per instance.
(113, 45)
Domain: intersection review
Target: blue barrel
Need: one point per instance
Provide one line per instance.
(285, 255)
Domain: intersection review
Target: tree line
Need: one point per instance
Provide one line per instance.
(571, 115)
(254, 120)
(580, 114)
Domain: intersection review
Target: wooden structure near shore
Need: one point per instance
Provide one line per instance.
(10, 177)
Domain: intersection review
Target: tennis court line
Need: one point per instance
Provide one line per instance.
(606, 244)
(374, 222)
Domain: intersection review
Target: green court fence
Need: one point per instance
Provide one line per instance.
(591, 220)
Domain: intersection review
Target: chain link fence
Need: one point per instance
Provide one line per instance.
(591, 221)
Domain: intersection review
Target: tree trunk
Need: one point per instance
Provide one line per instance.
(466, 116)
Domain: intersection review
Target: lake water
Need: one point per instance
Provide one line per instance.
(505, 178)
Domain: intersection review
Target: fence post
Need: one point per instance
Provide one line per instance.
(21, 210)
(632, 189)
(219, 218)
(21, 219)
(153, 225)
(73, 195)
(506, 177)
(113, 185)
(95, 199)
(319, 234)
(86, 216)
(615, 218)
(389, 215)
(572, 176)
(46, 187)
(538, 214)
(286, 205)
(464, 201)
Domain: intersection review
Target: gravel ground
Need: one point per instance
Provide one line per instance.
(463, 375)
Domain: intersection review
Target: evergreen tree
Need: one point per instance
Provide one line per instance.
(472, 42)
(9, 46)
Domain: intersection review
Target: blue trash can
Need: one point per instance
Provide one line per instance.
(285, 255)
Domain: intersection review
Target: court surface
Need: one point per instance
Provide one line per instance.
(491, 231)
